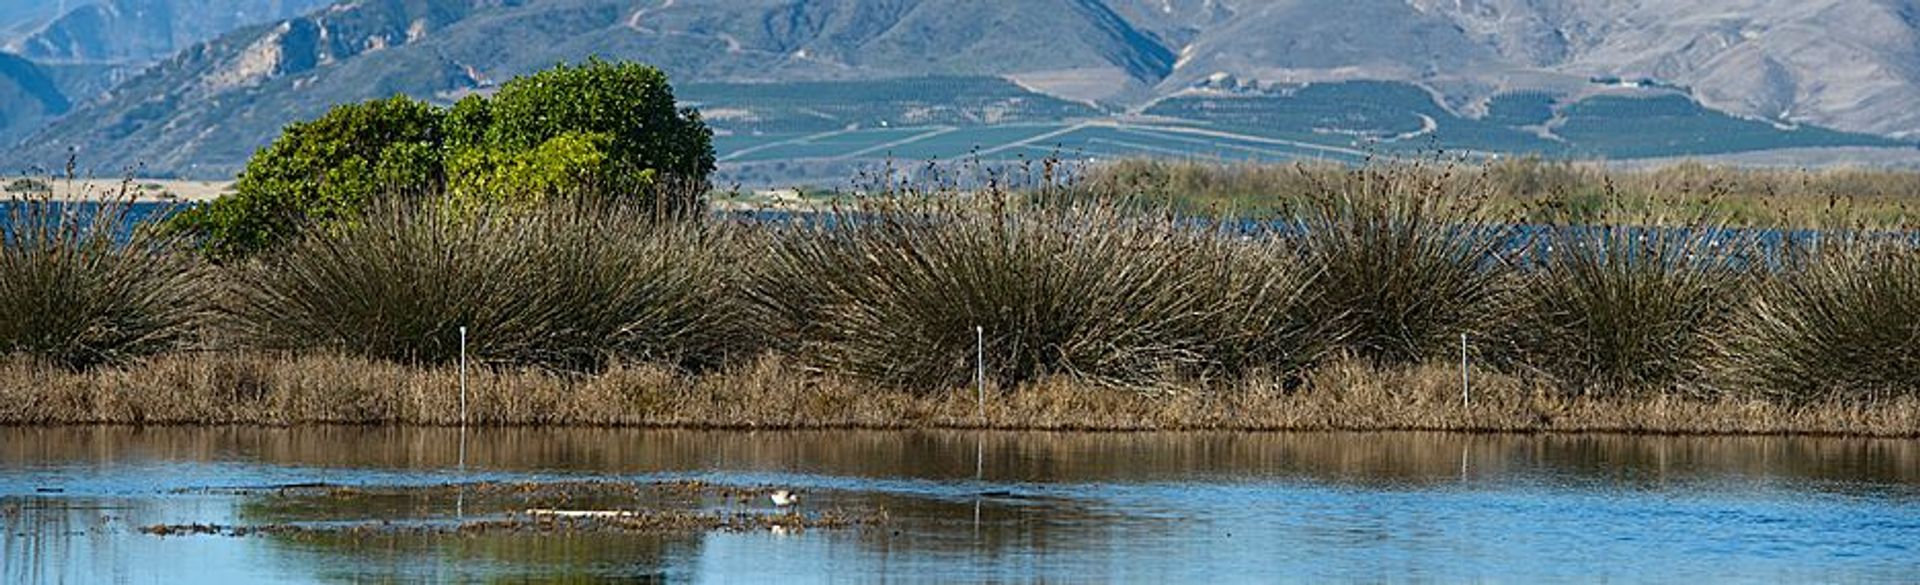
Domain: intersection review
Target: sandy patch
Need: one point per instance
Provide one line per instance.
(140, 189)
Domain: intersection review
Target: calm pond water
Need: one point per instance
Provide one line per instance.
(967, 506)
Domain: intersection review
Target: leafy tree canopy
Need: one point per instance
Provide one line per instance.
(596, 129)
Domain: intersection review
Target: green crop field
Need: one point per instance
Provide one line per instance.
(1619, 127)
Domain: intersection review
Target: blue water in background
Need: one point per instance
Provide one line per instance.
(1526, 244)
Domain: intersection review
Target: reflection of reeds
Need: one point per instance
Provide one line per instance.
(1356, 457)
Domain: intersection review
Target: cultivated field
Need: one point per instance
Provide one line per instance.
(820, 132)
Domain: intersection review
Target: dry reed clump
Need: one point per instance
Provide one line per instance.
(1408, 261)
(1843, 323)
(564, 286)
(907, 292)
(1617, 310)
(85, 283)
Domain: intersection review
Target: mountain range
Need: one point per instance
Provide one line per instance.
(77, 50)
(135, 32)
(1610, 78)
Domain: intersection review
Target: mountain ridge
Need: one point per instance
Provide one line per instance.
(208, 105)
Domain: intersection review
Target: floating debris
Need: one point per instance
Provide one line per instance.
(183, 529)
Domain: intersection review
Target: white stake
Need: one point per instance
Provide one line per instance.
(463, 378)
(1465, 381)
(980, 369)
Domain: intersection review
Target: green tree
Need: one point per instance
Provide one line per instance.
(597, 129)
(322, 171)
(614, 127)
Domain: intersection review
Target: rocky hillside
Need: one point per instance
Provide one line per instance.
(1848, 64)
(28, 97)
(1852, 65)
(144, 31)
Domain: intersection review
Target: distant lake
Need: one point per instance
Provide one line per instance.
(1531, 241)
(997, 506)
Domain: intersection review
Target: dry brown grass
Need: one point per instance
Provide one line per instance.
(258, 389)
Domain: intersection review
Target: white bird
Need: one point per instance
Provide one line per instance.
(784, 498)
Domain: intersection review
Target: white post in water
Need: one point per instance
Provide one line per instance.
(980, 370)
(1465, 382)
(463, 379)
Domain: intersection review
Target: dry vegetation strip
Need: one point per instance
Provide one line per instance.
(1535, 190)
(773, 393)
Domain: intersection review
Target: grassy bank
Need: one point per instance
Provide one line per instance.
(1078, 307)
(774, 393)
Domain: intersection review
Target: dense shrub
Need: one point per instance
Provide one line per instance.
(596, 130)
(1613, 309)
(1844, 321)
(559, 286)
(83, 284)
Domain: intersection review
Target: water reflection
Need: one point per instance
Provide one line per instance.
(996, 506)
(1365, 459)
